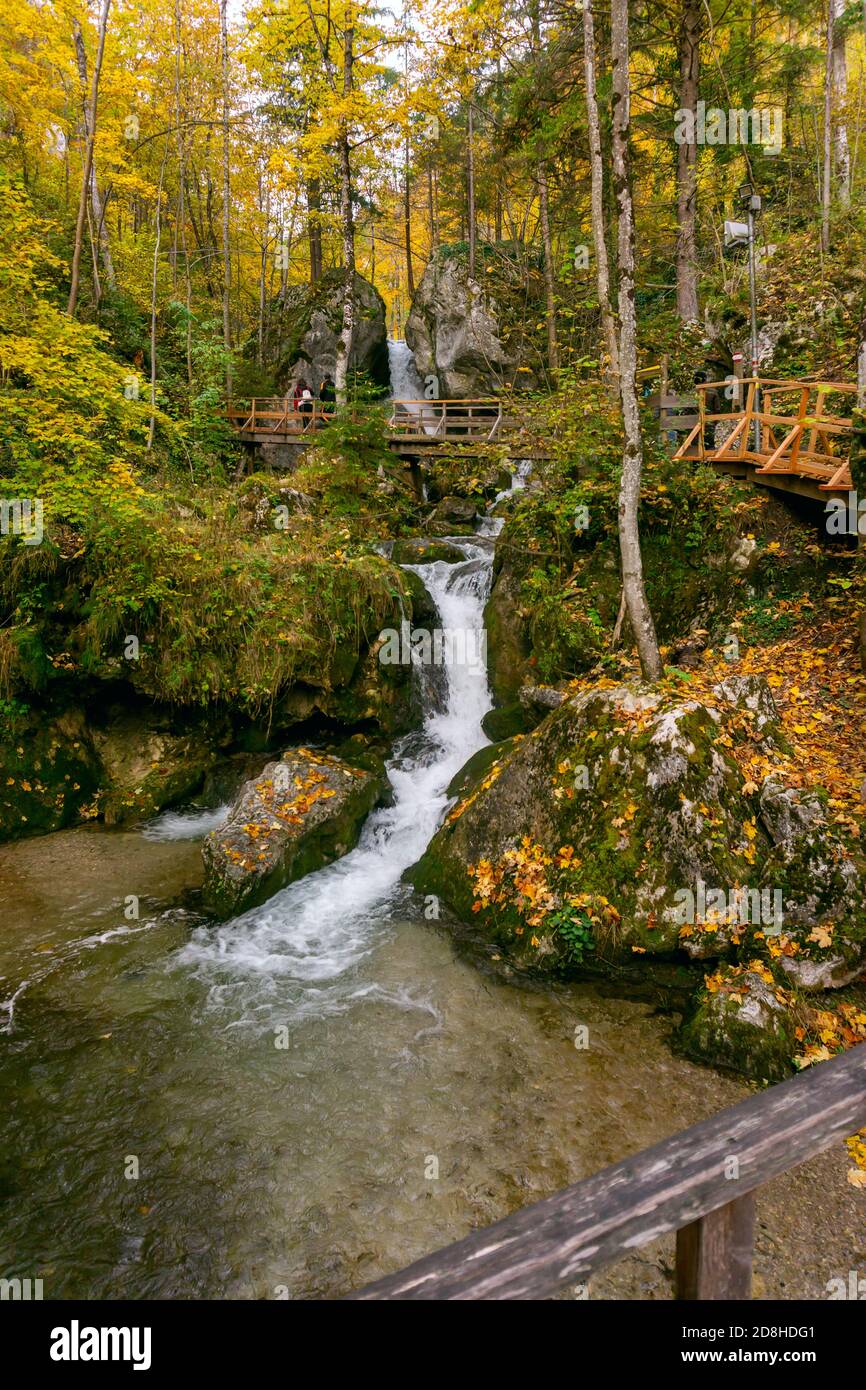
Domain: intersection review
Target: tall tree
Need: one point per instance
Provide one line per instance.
(840, 96)
(689, 40)
(99, 227)
(827, 175)
(88, 163)
(602, 269)
(634, 592)
(470, 183)
(344, 349)
(227, 259)
(541, 179)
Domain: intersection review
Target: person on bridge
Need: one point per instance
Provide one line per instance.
(327, 395)
(304, 399)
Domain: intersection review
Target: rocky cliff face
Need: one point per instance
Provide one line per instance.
(470, 333)
(306, 330)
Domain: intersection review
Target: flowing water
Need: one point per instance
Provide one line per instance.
(407, 385)
(295, 1102)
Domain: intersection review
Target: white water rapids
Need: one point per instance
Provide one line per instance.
(314, 931)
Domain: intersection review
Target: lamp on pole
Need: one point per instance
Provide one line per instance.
(751, 201)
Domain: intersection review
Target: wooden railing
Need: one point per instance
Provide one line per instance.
(699, 1183)
(480, 419)
(278, 415)
(447, 419)
(783, 427)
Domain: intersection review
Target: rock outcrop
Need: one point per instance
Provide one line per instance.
(300, 813)
(305, 329)
(470, 333)
(145, 769)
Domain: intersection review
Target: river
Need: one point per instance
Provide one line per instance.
(296, 1102)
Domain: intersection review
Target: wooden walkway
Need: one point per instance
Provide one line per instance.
(413, 425)
(684, 1184)
(790, 435)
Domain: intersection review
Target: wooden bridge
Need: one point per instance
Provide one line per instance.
(790, 435)
(688, 1184)
(414, 425)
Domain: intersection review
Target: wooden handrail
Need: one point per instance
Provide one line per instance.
(807, 448)
(682, 1184)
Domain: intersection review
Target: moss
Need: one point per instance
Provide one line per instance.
(418, 552)
(49, 772)
(474, 771)
(741, 1026)
(505, 722)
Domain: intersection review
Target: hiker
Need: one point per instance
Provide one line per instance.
(304, 399)
(327, 394)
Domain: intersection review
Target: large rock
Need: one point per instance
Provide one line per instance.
(306, 326)
(145, 769)
(49, 772)
(625, 816)
(300, 813)
(420, 551)
(744, 1021)
(464, 331)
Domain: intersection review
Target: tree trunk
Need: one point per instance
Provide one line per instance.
(827, 178)
(549, 284)
(88, 164)
(470, 190)
(840, 97)
(181, 196)
(97, 208)
(344, 347)
(263, 268)
(314, 228)
(431, 207)
(407, 220)
(227, 263)
(640, 617)
(687, 161)
(597, 176)
(407, 188)
(153, 289)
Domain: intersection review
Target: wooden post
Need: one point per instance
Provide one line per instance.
(714, 1254)
(750, 402)
(702, 411)
(801, 415)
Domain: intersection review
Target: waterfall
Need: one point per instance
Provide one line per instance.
(406, 383)
(311, 934)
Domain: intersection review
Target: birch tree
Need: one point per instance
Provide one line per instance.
(88, 163)
(602, 269)
(634, 593)
(227, 260)
(689, 38)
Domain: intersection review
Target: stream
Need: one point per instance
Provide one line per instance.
(296, 1102)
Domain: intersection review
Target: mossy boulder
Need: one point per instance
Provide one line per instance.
(473, 333)
(425, 552)
(460, 512)
(506, 721)
(624, 799)
(145, 769)
(301, 812)
(305, 326)
(49, 772)
(508, 641)
(821, 887)
(424, 610)
(744, 1021)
